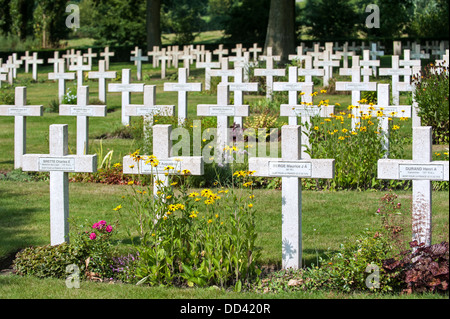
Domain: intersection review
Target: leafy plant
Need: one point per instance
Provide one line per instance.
(425, 268)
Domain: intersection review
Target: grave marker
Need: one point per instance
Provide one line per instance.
(292, 168)
(106, 54)
(35, 61)
(20, 110)
(138, 59)
(89, 56)
(208, 65)
(421, 170)
(102, 75)
(126, 88)
(79, 68)
(395, 72)
(239, 86)
(269, 72)
(223, 72)
(61, 76)
(182, 87)
(162, 150)
(59, 164)
(82, 110)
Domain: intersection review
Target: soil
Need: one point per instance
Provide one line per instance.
(6, 263)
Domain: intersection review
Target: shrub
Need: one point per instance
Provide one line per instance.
(190, 238)
(431, 95)
(424, 269)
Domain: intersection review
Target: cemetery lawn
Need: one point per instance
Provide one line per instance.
(329, 219)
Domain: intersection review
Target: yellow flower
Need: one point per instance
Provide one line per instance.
(186, 172)
(341, 138)
(363, 129)
(131, 166)
(239, 174)
(130, 182)
(247, 184)
(209, 201)
(169, 167)
(316, 128)
(395, 127)
(198, 199)
(217, 215)
(169, 197)
(251, 196)
(117, 165)
(174, 183)
(250, 205)
(193, 194)
(344, 130)
(210, 221)
(193, 214)
(323, 91)
(118, 208)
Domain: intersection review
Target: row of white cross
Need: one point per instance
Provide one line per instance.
(293, 165)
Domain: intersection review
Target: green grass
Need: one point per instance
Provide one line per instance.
(329, 218)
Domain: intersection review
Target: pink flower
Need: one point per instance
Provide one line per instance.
(109, 228)
(92, 236)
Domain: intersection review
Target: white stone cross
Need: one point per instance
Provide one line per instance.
(70, 57)
(208, 65)
(220, 52)
(395, 72)
(35, 61)
(292, 168)
(327, 63)
(355, 86)
(299, 56)
(163, 58)
(138, 58)
(344, 54)
(20, 110)
(9, 67)
(149, 109)
(126, 88)
(269, 72)
(182, 87)
(55, 61)
(154, 54)
(255, 49)
(222, 110)
(308, 72)
(82, 110)
(89, 56)
(59, 164)
(384, 111)
(408, 63)
(162, 150)
(79, 68)
(3, 76)
(61, 76)
(16, 61)
(418, 54)
(102, 75)
(366, 63)
(239, 86)
(374, 53)
(107, 54)
(294, 87)
(27, 57)
(316, 54)
(421, 170)
(224, 72)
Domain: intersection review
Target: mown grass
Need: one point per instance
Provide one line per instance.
(329, 218)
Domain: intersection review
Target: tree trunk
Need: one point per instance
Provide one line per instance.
(281, 28)
(153, 23)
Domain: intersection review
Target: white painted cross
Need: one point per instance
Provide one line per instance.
(20, 110)
(126, 88)
(255, 49)
(138, 58)
(374, 53)
(55, 61)
(149, 109)
(308, 72)
(408, 63)
(27, 57)
(35, 61)
(79, 68)
(395, 72)
(366, 63)
(327, 63)
(222, 110)
(355, 86)
(61, 76)
(89, 56)
(344, 54)
(59, 164)
(292, 168)
(208, 65)
(163, 58)
(299, 56)
(421, 170)
(182, 87)
(419, 54)
(106, 54)
(384, 111)
(239, 86)
(269, 72)
(220, 52)
(154, 54)
(162, 150)
(102, 75)
(223, 72)
(82, 110)
(16, 61)
(3, 76)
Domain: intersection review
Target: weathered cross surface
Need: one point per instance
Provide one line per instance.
(292, 168)
(327, 63)
(35, 61)
(223, 72)
(126, 88)
(222, 110)
(107, 55)
(162, 150)
(238, 87)
(59, 164)
(395, 72)
(421, 170)
(102, 75)
(20, 110)
(269, 72)
(62, 77)
(82, 110)
(80, 68)
(208, 65)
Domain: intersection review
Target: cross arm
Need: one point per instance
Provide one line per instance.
(411, 170)
(194, 165)
(69, 163)
(84, 110)
(306, 110)
(222, 110)
(28, 110)
(142, 110)
(173, 87)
